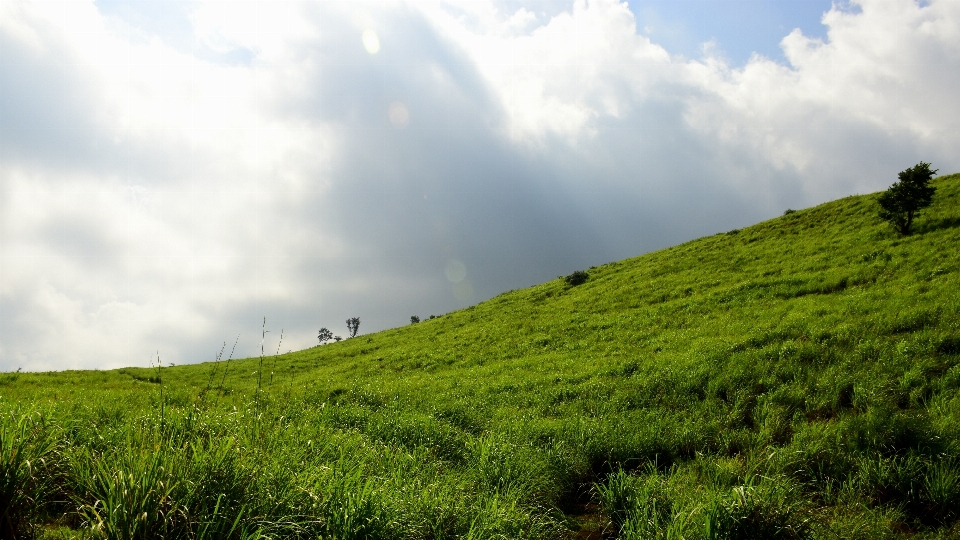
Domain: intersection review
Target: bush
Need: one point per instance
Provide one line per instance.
(577, 278)
(902, 202)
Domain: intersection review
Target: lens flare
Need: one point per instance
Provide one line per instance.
(371, 42)
(399, 114)
(455, 271)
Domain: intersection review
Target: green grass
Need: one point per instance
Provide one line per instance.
(794, 379)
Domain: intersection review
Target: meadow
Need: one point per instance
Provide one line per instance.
(794, 379)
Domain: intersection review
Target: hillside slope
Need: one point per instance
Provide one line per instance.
(794, 379)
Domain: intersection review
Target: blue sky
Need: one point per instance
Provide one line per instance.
(173, 172)
(738, 27)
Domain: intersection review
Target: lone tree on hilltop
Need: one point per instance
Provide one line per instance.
(353, 324)
(902, 202)
(325, 335)
(414, 319)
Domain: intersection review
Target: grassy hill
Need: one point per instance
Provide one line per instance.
(794, 379)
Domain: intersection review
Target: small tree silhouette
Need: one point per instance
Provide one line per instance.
(414, 319)
(577, 278)
(353, 324)
(902, 202)
(325, 335)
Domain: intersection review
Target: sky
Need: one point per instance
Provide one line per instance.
(173, 173)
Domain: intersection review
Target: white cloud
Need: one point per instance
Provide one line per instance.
(169, 211)
(154, 197)
(564, 73)
(886, 74)
(883, 77)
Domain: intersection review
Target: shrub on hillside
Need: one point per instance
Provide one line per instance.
(577, 278)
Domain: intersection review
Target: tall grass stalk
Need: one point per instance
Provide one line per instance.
(160, 381)
(275, 357)
(227, 366)
(213, 368)
(263, 335)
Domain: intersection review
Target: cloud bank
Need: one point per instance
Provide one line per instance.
(163, 187)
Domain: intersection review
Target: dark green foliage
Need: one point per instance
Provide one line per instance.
(325, 335)
(949, 345)
(577, 278)
(940, 497)
(414, 319)
(902, 202)
(927, 488)
(749, 513)
(353, 324)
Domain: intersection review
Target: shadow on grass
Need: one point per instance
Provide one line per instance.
(937, 224)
